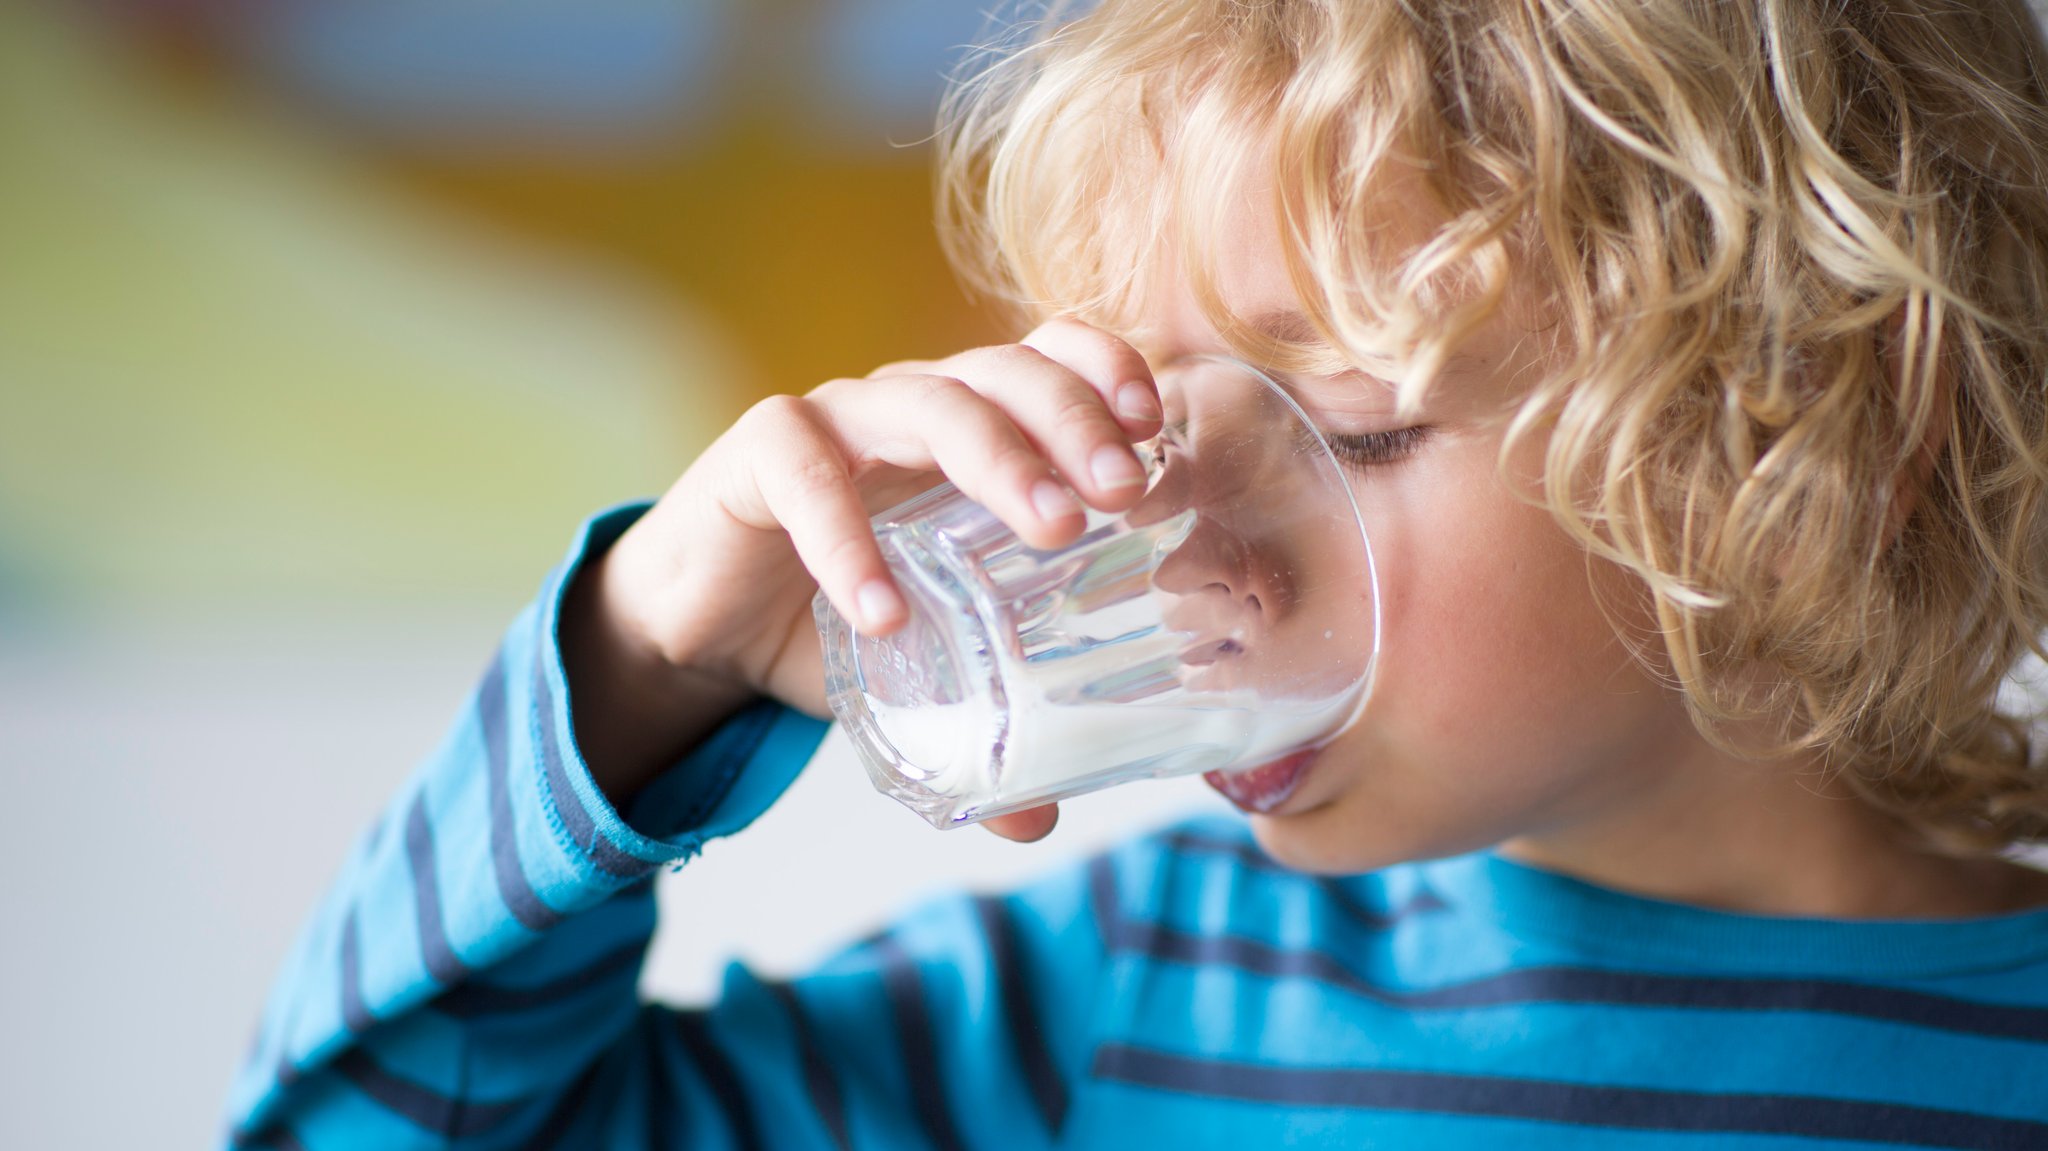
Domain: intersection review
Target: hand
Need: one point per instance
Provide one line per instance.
(1027, 826)
(706, 601)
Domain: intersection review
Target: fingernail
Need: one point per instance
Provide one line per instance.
(1115, 467)
(1134, 402)
(879, 603)
(1052, 500)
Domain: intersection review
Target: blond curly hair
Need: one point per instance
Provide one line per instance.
(1792, 256)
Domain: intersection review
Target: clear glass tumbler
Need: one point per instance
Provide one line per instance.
(1229, 619)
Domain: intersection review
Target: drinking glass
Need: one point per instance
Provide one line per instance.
(1228, 619)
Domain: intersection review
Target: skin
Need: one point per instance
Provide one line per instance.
(1506, 710)
(1267, 567)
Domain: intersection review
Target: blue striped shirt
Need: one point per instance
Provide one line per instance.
(470, 981)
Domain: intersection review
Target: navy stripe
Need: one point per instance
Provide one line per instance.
(513, 885)
(1020, 1014)
(660, 1103)
(1422, 902)
(354, 1014)
(435, 950)
(1108, 914)
(1552, 1101)
(819, 1082)
(1593, 986)
(275, 1136)
(426, 1108)
(905, 990)
(1638, 989)
(1102, 900)
(567, 1110)
(576, 819)
(475, 997)
(1157, 941)
(1189, 842)
(694, 1029)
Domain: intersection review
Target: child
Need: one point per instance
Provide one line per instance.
(1689, 360)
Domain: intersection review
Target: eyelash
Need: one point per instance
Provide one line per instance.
(1377, 449)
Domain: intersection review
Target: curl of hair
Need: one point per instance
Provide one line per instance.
(1791, 264)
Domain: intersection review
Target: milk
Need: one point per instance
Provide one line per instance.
(1052, 749)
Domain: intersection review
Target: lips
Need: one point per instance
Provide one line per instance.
(1263, 788)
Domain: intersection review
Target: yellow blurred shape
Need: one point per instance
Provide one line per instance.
(238, 371)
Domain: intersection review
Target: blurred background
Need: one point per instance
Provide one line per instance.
(322, 324)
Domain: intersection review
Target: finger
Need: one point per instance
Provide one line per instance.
(1064, 417)
(903, 368)
(800, 484)
(1116, 370)
(1027, 826)
(927, 422)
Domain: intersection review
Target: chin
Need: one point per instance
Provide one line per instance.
(1337, 838)
(1319, 841)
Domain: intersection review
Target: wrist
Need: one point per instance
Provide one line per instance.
(635, 710)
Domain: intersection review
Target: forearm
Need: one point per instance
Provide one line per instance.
(479, 952)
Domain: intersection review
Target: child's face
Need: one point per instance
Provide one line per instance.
(1504, 703)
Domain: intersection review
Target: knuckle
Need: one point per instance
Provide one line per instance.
(1010, 456)
(1128, 364)
(814, 476)
(781, 413)
(1105, 358)
(1014, 356)
(1065, 326)
(831, 390)
(937, 388)
(1000, 359)
(900, 368)
(1074, 327)
(1079, 408)
(1120, 360)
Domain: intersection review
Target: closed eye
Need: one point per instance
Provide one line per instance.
(1377, 449)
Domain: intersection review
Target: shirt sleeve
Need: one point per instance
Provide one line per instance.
(471, 977)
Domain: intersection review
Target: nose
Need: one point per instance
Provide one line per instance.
(1227, 455)
(1210, 562)
(1234, 573)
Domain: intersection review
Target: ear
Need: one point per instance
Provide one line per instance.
(1912, 480)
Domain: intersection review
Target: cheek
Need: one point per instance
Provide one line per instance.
(1502, 691)
(1488, 617)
